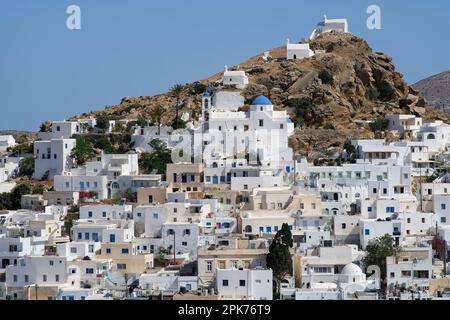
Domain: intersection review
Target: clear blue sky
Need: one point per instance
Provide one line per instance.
(141, 47)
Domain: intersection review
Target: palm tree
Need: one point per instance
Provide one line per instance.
(176, 92)
(156, 114)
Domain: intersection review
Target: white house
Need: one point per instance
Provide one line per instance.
(52, 157)
(372, 229)
(441, 206)
(105, 212)
(36, 270)
(411, 268)
(182, 236)
(83, 184)
(328, 25)
(12, 249)
(245, 284)
(404, 123)
(235, 78)
(298, 51)
(6, 142)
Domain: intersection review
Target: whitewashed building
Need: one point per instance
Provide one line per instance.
(53, 157)
(245, 284)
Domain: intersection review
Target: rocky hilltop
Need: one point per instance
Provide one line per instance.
(331, 96)
(436, 90)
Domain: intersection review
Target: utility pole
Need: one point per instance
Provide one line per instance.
(174, 252)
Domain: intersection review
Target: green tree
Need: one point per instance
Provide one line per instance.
(268, 83)
(128, 195)
(45, 126)
(104, 144)
(199, 88)
(279, 258)
(349, 147)
(39, 189)
(386, 91)
(5, 201)
(378, 125)
(178, 123)
(158, 159)
(326, 77)
(176, 91)
(156, 114)
(16, 195)
(372, 94)
(378, 250)
(142, 121)
(82, 152)
(26, 167)
(22, 148)
(102, 121)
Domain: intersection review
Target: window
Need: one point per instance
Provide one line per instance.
(423, 220)
(121, 266)
(51, 262)
(86, 236)
(15, 278)
(184, 244)
(209, 266)
(369, 209)
(90, 214)
(26, 278)
(112, 238)
(367, 232)
(443, 220)
(443, 206)
(392, 274)
(56, 277)
(344, 226)
(242, 283)
(155, 216)
(261, 123)
(80, 236)
(108, 250)
(125, 251)
(44, 278)
(224, 283)
(89, 270)
(406, 273)
(187, 232)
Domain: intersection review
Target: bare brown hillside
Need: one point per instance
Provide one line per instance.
(330, 96)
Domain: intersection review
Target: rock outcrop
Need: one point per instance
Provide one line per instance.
(330, 96)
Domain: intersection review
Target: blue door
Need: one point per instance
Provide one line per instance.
(215, 180)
